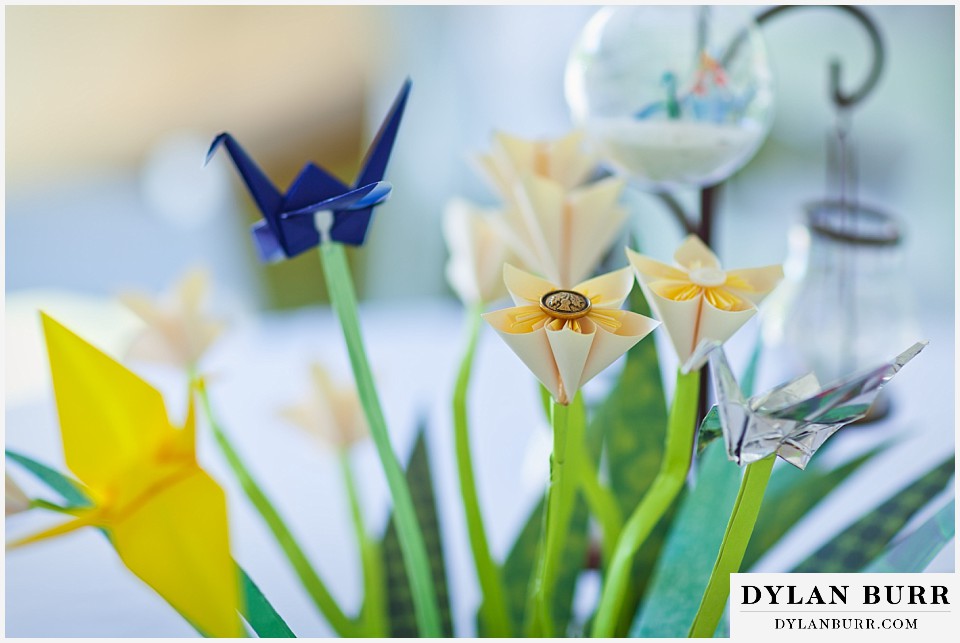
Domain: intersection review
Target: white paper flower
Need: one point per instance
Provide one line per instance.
(511, 159)
(16, 501)
(568, 336)
(329, 412)
(478, 251)
(699, 300)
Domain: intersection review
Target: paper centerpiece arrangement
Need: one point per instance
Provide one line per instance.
(794, 419)
(166, 517)
(317, 207)
(699, 300)
(566, 337)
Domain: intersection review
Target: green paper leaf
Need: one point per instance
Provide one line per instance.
(791, 494)
(686, 559)
(403, 623)
(256, 609)
(914, 552)
(259, 613)
(864, 540)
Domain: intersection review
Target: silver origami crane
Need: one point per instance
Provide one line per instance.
(792, 420)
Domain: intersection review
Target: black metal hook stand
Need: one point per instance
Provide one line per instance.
(704, 226)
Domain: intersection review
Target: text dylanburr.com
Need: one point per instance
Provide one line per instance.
(848, 607)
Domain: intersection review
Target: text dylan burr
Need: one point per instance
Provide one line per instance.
(837, 595)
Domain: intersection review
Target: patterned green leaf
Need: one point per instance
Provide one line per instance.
(914, 552)
(400, 608)
(687, 557)
(791, 494)
(864, 540)
(256, 609)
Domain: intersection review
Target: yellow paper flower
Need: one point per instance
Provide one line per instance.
(165, 516)
(477, 252)
(562, 234)
(178, 330)
(16, 501)
(510, 159)
(699, 300)
(567, 336)
(330, 412)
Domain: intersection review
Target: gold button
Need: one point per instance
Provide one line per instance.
(565, 304)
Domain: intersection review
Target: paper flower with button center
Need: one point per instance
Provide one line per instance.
(566, 336)
(511, 158)
(329, 412)
(15, 500)
(698, 300)
(165, 516)
(178, 330)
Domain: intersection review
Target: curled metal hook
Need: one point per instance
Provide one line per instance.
(840, 98)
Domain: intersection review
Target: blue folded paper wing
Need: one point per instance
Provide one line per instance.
(317, 207)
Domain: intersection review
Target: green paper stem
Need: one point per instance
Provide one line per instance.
(600, 499)
(259, 613)
(658, 498)
(373, 615)
(734, 545)
(344, 300)
(308, 576)
(493, 610)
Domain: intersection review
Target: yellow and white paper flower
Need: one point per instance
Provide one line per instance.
(478, 251)
(567, 336)
(15, 500)
(178, 329)
(698, 300)
(511, 158)
(329, 412)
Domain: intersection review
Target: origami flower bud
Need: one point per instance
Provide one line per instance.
(477, 252)
(165, 516)
(329, 412)
(699, 300)
(567, 336)
(178, 330)
(15, 500)
(562, 234)
(511, 159)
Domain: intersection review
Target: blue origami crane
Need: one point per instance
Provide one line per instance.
(317, 207)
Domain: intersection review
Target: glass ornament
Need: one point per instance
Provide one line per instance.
(671, 96)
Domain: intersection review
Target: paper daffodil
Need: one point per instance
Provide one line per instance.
(330, 412)
(15, 500)
(178, 329)
(477, 252)
(699, 300)
(510, 159)
(794, 419)
(562, 234)
(165, 516)
(567, 336)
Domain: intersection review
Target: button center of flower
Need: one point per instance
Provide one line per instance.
(708, 277)
(565, 304)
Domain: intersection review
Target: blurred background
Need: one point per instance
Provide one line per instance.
(110, 111)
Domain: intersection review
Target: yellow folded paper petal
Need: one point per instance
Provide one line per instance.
(567, 336)
(329, 412)
(477, 252)
(511, 158)
(699, 300)
(15, 500)
(166, 516)
(178, 330)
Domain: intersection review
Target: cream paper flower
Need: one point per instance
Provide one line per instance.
(511, 158)
(567, 336)
(478, 251)
(178, 330)
(15, 500)
(562, 234)
(698, 300)
(329, 412)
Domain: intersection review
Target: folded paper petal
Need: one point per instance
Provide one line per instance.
(525, 288)
(594, 220)
(609, 290)
(532, 348)
(511, 158)
(694, 253)
(329, 412)
(570, 352)
(478, 251)
(610, 346)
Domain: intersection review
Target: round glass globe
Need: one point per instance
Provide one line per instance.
(671, 96)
